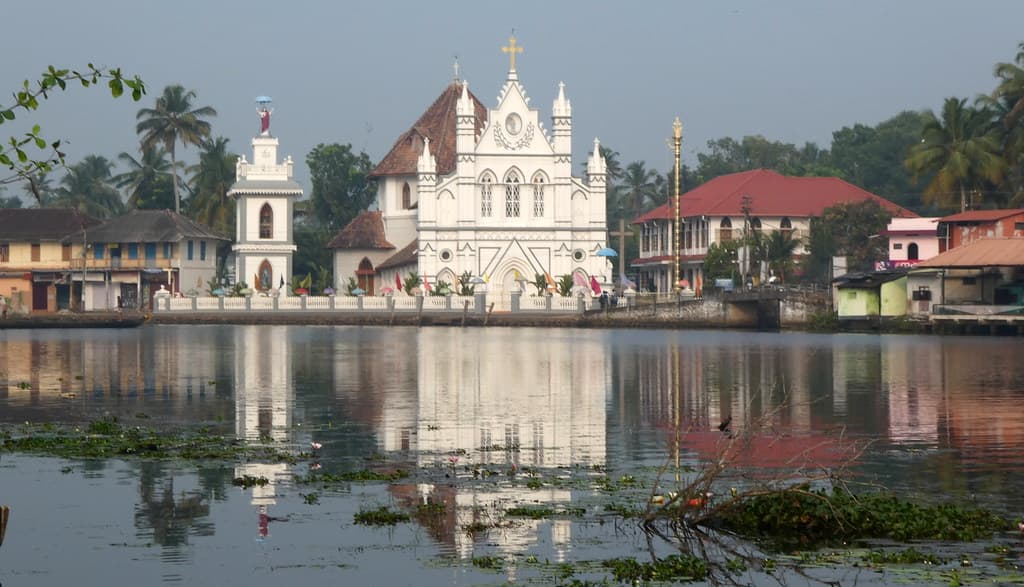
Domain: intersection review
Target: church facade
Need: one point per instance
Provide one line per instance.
(486, 193)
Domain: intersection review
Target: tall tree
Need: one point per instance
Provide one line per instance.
(38, 186)
(86, 187)
(341, 184)
(851, 229)
(210, 182)
(173, 120)
(638, 188)
(8, 202)
(778, 248)
(1011, 86)
(961, 151)
(146, 178)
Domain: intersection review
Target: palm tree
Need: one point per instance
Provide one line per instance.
(39, 187)
(778, 247)
(211, 180)
(638, 187)
(1011, 86)
(86, 188)
(959, 149)
(144, 176)
(1011, 142)
(174, 119)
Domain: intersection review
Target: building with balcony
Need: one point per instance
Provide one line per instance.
(730, 206)
(36, 260)
(130, 257)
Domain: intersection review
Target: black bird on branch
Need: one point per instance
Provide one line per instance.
(724, 426)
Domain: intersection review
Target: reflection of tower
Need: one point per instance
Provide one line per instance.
(264, 398)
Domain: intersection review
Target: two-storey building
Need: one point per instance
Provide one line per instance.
(966, 227)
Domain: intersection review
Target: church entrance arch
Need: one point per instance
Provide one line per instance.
(364, 276)
(447, 276)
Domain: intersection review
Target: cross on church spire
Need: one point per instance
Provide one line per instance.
(512, 49)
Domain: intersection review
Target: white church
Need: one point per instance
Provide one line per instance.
(483, 192)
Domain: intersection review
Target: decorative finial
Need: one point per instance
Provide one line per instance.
(512, 49)
(456, 67)
(677, 129)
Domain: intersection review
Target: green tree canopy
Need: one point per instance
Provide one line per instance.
(341, 184)
(210, 181)
(174, 119)
(852, 229)
(148, 179)
(87, 188)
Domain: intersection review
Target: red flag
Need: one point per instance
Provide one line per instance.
(426, 284)
(578, 279)
(398, 282)
(595, 286)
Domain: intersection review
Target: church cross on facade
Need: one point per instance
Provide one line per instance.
(512, 49)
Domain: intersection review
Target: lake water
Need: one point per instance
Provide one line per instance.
(943, 416)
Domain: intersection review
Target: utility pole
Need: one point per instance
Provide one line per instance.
(85, 261)
(622, 234)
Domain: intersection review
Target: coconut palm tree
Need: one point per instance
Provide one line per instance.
(86, 188)
(638, 187)
(960, 150)
(145, 177)
(1011, 86)
(174, 119)
(211, 179)
(778, 247)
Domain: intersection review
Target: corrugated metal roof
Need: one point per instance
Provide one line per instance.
(982, 215)
(986, 252)
(149, 226)
(265, 186)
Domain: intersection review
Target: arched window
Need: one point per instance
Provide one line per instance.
(512, 195)
(725, 230)
(486, 196)
(538, 195)
(266, 221)
(755, 225)
(785, 226)
(912, 252)
(406, 197)
(364, 276)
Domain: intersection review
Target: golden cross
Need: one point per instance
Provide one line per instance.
(512, 50)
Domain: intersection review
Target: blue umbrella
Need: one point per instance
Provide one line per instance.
(218, 292)
(263, 100)
(606, 252)
(358, 291)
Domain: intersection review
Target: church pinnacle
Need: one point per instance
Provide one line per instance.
(512, 49)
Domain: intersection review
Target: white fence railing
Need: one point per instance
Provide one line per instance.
(399, 303)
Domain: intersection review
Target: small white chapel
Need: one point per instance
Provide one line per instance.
(488, 192)
(265, 196)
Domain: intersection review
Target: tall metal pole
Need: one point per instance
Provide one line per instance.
(677, 139)
(85, 261)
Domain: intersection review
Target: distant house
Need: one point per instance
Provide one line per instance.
(871, 296)
(362, 244)
(966, 227)
(36, 262)
(131, 256)
(723, 208)
(986, 272)
(911, 240)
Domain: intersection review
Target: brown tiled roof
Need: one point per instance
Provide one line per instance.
(982, 215)
(366, 231)
(150, 226)
(407, 256)
(986, 252)
(42, 224)
(437, 123)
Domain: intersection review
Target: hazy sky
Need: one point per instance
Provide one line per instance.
(361, 72)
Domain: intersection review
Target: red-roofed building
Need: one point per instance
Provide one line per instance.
(714, 212)
(967, 227)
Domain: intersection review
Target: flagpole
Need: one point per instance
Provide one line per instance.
(677, 139)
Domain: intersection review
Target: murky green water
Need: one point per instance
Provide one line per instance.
(944, 415)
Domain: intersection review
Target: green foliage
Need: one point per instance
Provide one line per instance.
(777, 249)
(852, 229)
(823, 322)
(87, 188)
(801, 515)
(341, 186)
(720, 261)
(412, 281)
(350, 476)
(211, 179)
(565, 285)
(382, 516)
(676, 567)
(727, 155)
(148, 180)
(540, 282)
(442, 288)
(249, 481)
(908, 556)
(466, 287)
(312, 255)
(351, 285)
(31, 153)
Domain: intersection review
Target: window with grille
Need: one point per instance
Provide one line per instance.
(266, 222)
(538, 196)
(5, 253)
(512, 196)
(486, 197)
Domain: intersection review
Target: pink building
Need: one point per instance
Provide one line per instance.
(911, 240)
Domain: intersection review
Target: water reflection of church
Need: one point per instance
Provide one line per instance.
(490, 401)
